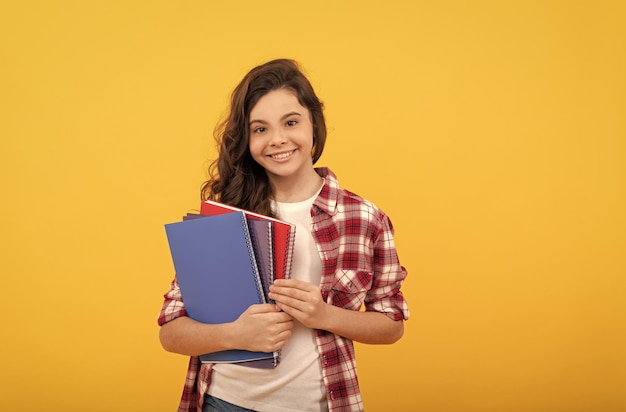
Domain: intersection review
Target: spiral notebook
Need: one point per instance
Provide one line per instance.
(284, 235)
(261, 234)
(218, 275)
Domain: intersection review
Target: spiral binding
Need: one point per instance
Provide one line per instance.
(270, 259)
(289, 255)
(255, 268)
(252, 240)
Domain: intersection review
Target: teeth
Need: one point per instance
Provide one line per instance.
(281, 155)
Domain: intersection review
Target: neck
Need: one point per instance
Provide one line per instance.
(291, 190)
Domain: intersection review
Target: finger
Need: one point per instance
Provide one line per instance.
(290, 298)
(285, 318)
(294, 293)
(263, 308)
(288, 309)
(280, 343)
(292, 311)
(292, 283)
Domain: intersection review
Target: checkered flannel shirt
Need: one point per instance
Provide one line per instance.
(360, 267)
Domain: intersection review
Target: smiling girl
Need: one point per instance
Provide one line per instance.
(344, 259)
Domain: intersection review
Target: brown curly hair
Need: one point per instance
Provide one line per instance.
(235, 178)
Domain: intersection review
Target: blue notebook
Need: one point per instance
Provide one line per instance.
(261, 234)
(218, 276)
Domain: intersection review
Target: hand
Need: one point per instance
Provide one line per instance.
(301, 300)
(263, 328)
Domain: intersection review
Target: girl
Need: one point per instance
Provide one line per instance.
(344, 258)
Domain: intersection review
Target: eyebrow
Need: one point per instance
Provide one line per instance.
(283, 117)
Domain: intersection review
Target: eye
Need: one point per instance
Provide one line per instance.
(292, 122)
(258, 130)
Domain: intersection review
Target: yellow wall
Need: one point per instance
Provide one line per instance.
(492, 132)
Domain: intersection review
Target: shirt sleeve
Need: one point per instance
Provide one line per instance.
(385, 295)
(173, 306)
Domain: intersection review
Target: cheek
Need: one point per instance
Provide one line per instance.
(255, 148)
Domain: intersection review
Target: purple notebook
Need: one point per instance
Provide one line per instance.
(261, 234)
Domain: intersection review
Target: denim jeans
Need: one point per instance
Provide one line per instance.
(212, 404)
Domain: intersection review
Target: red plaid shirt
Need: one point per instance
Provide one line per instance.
(360, 267)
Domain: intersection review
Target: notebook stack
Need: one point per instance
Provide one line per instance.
(225, 259)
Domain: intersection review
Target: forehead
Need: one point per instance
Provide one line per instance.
(277, 103)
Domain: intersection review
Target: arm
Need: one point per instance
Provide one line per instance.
(303, 301)
(260, 328)
(188, 337)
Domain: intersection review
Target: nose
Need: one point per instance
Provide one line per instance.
(278, 138)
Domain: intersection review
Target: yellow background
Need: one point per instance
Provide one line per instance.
(492, 132)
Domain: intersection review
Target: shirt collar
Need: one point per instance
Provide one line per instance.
(328, 198)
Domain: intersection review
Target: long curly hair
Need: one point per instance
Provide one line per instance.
(235, 178)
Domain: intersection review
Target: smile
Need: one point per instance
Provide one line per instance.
(283, 155)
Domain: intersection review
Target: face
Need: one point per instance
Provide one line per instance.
(281, 135)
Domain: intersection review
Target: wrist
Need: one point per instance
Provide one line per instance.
(330, 317)
(229, 334)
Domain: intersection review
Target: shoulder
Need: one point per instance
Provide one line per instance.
(351, 200)
(353, 206)
(344, 204)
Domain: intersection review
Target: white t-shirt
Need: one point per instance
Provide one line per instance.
(296, 384)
